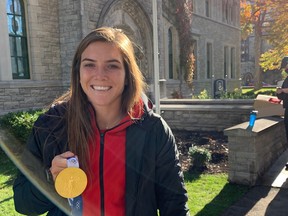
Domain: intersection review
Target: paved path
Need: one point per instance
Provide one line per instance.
(269, 197)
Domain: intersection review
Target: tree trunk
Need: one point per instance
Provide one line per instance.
(257, 52)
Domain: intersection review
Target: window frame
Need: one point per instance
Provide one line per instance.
(207, 8)
(209, 60)
(18, 42)
(170, 55)
(232, 62)
(226, 61)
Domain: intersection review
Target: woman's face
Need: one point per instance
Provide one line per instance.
(102, 75)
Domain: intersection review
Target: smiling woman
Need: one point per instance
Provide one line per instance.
(102, 78)
(106, 124)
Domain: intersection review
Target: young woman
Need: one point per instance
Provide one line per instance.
(105, 121)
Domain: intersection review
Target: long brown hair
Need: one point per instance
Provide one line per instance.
(79, 109)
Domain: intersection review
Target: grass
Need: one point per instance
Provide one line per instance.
(211, 194)
(7, 174)
(263, 90)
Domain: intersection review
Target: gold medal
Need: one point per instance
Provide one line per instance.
(71, 182)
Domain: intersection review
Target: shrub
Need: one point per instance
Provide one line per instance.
(203, 95)
(200, 156)
(237, 94)
(20, 123)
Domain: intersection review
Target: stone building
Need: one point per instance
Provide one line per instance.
(39, 38)
(216, 30)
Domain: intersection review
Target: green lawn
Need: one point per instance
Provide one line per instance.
(264, 89)
(211, 194)
(7, 174)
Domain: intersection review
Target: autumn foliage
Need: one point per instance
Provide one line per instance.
(266, 20)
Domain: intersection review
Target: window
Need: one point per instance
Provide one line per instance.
(245, 50)
(224, 11)
(233, 14)
(170, 53)
(17, 39)
(226, 61)
(209, 60)
(230, 13)
(207, 8)
(232, 62)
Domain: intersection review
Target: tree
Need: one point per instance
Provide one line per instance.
(184, 21)
(266, 19)
(277, 36)
(253, 17)
(182, 11)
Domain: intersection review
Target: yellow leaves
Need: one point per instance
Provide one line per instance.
(269, 18)
(270, 60)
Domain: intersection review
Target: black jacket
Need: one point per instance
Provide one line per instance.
(283, 96)
(153, 174)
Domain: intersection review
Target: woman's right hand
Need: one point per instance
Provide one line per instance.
(59, 163)
(278, 90)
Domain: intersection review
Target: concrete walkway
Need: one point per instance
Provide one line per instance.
(269, 197)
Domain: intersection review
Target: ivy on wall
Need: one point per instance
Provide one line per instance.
(183, 18)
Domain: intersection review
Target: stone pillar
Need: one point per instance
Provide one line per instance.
(252, 151)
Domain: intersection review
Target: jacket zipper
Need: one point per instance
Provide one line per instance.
(101, 169)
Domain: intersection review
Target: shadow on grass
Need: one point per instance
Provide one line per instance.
(194, 173)
(8, 183)
(7, 168)
(190, 177)
(228, 196)
(6, 200)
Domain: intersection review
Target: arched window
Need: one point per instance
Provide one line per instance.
(17, 39)
(170, 53)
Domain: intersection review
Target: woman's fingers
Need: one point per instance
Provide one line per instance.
(59, 163)
(67, 154)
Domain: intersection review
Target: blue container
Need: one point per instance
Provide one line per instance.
(253, 116)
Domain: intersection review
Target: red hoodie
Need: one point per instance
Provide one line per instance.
(105, 193)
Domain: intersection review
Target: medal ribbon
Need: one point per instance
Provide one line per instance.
(72, 162)
(75, 203)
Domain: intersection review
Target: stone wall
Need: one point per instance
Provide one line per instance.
(15, 97)
(206, 115)
(43, 40)
(252, 151)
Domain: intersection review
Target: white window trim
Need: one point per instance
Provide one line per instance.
(5, 57)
